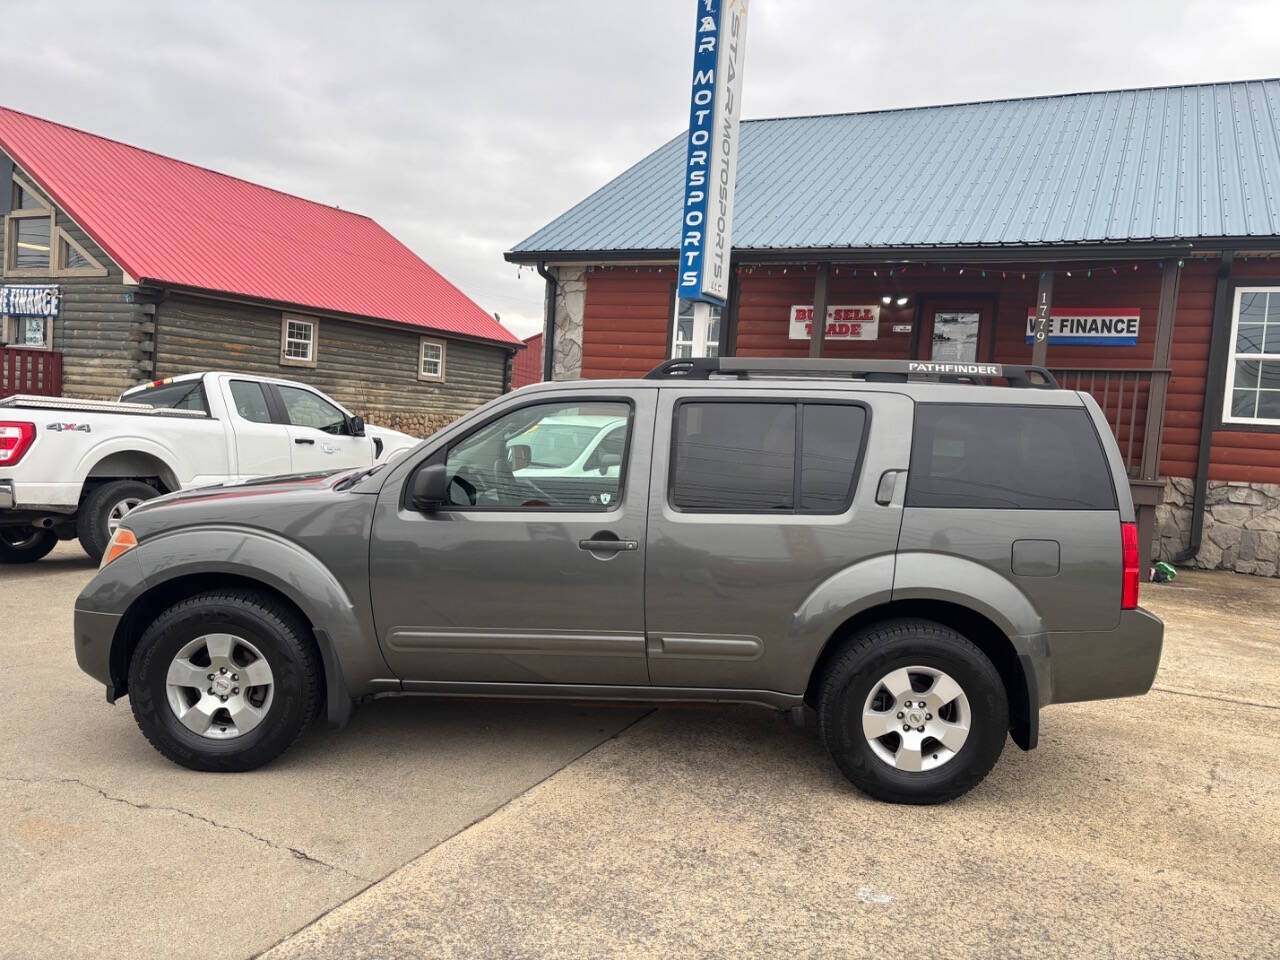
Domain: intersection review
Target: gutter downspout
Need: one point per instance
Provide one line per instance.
(1214, 385)
(548, 320)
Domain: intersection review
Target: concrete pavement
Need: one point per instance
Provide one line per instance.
(1144, 827)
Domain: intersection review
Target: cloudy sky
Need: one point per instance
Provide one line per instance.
(462, 127)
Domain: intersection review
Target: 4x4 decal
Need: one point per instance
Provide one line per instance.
(60, 427)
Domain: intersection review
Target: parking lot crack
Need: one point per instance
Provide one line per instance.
(164, 808)
(1209, 696)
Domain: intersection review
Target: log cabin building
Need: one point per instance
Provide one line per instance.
(1146, 220)
(121, 265)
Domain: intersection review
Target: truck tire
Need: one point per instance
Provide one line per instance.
(101, 511)
(913, 712)
(225, 681)
(25, 544)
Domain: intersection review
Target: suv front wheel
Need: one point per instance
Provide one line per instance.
(225, 681)
(913, 712)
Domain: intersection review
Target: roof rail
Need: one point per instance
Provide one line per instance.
(891, 371)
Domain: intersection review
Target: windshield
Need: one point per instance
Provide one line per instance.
(555, 444)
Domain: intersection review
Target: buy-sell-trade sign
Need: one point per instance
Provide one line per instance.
(706, 221)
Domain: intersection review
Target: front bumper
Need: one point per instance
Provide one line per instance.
(1099, 665)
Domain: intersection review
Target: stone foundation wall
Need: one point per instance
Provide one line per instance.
(1241, 525)
(413, 422)
(571, 299)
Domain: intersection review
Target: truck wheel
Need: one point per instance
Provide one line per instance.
(25, 544)
(225, 681)
(103, 509)
(912, 712)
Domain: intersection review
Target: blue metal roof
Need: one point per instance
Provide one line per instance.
(1170, 163)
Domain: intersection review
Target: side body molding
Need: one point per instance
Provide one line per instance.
(344, 621)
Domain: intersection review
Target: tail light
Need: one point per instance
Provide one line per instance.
(15, 440)
(1132, 575)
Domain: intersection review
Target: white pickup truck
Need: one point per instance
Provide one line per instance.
(74, 468)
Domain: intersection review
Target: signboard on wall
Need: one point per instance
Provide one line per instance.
(27, 300)
(1089, 326)
(711, 164)
(843, 322)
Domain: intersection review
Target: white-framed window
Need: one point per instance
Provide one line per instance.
(695, 330)
(430, 359)
(298, 341)
(1253, 368)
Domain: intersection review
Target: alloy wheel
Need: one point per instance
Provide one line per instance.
(219, 686)
(916, 718)
(118, 512)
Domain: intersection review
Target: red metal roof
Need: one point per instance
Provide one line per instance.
(173, 223)
(526, 368)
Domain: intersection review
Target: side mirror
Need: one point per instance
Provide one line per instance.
(607, 460)
(429, 487)
(519, 456)
(355, 426)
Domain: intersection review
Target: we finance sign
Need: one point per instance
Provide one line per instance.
(1089, 326)
(715, 109)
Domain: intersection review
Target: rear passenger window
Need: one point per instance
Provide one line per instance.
(250, 401)
(1007, 457)
(831, 440)
(731, 457)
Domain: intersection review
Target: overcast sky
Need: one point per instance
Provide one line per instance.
(462, 127)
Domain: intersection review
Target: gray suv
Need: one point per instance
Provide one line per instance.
(925, 554)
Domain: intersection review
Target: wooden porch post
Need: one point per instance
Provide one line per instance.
(819, 335)
(1160, 361)
(1040, 329)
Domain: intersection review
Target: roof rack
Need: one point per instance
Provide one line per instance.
(888, 371)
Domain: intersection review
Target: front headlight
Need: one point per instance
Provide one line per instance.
(122, 541)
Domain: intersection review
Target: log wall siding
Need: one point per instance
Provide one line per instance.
(627, 319)
(105, 342)
(370, 369)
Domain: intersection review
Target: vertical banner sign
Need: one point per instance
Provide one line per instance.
(715, 109)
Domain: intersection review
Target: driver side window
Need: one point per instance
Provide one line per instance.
(535, 458)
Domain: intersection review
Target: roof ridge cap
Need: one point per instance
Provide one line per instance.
(1023, 99)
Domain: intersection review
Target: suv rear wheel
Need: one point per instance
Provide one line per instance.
(913, 712)
(225, 681)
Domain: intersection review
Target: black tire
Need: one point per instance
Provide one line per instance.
(25, 544)
(860, 665)
(285, 642)
(95, 512)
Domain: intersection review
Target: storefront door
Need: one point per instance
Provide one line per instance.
(956, 331)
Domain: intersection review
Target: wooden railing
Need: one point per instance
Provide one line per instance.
(1124, 394)
(36, 372)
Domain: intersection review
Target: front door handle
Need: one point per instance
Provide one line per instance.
(305, 440)
(607, 543)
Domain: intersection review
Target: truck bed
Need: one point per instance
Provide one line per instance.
(25, 402)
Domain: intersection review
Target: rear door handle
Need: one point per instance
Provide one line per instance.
(599, 544)
(888, 486)
(304, 440)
